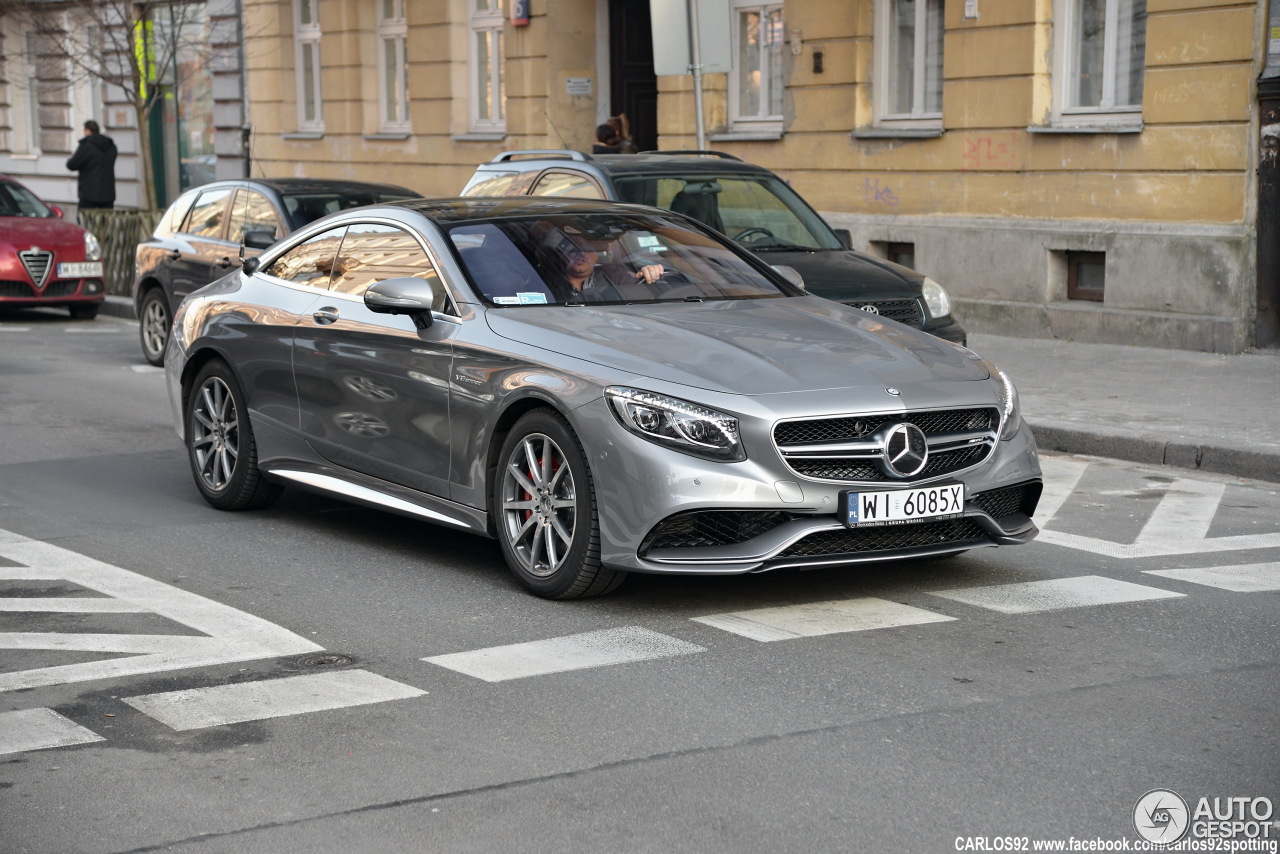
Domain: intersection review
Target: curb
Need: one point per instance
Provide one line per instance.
(1069, 438)
(116, 306)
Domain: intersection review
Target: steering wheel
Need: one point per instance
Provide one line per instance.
(758, 231)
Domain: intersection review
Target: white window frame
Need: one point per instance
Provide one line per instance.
(27, 137)
(307, 35)
(1066, 38)
(762, 121)
(884, 49)
(393, 99)
(486, 20)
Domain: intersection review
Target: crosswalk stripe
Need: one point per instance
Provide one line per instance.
(254, 701)
(38, 729)
(1249, 578)
(70, 604)
(1055, 594)
(84, 329)
(820, 618)
(571, 652)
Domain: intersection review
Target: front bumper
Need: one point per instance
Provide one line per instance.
(18, 294)
(647, 495)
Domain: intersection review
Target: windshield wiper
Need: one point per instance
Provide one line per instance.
(783, 247)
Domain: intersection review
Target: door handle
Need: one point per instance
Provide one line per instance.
(224, 261)
(325, 316)
(174, 254)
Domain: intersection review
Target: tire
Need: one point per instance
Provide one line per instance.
(220, 445)
(83, 312)
(545, 511)
(154, 323)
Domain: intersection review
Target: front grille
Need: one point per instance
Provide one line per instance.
(859, 541)
(1008, 500)
(61, 289)
(902, 310)
(699, 528)
(15, 289)
(937, 425)
(38, 263)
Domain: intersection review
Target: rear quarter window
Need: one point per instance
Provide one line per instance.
(490, 184)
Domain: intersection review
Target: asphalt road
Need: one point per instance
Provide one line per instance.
(1033, 692)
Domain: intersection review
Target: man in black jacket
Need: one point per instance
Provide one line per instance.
(95, 160)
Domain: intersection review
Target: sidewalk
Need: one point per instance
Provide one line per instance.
(1172, 407)
(1194, 410)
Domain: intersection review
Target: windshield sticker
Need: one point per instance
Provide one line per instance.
(648, 241)
(530, 298)
(506, 300)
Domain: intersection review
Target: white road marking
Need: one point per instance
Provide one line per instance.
(4, 328)
(94, 328)
(1178, 525)
(1030, 597)
(1248, 578)
(37, 729)
(146, 369)
(1061, 476)
(70, 605)
(820, 618)
(572, 652)
(274, 698)
(227, 634)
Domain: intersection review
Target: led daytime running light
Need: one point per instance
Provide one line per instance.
(677, 423)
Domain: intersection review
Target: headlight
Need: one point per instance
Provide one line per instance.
(92, 248)
(677, 423)
(935, 298)
(1009, 411)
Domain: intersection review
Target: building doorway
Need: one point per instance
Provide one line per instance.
(633, 85)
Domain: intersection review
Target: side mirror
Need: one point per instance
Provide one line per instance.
(404, 295)
(57, 211)
(845, 237)
(250, 266)
(256, 238)
(792, 275)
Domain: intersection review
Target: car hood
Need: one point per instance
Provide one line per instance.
(742, 346)
(848, 276)
(24, 232)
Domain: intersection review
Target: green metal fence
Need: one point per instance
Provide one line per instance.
(119, 232)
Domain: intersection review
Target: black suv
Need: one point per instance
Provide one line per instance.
(210, 230)
(748, 203)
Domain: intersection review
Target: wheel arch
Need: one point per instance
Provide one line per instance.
(145, 286)
(507, 419)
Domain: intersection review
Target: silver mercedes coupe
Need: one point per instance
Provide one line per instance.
(604, 388)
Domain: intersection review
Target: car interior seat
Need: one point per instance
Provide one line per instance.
(699, 206)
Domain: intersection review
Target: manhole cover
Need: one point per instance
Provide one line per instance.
(328, 659)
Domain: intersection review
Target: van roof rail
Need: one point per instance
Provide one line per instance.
(561, 153)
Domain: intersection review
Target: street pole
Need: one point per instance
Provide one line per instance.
(695, 66)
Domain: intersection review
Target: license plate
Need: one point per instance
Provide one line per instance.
(79, 269)
(902, 506)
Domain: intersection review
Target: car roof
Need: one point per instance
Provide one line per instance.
(450, 211)
(645, 163)
(293, 186)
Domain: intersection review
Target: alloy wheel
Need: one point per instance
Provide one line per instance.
(215, 433)
(155, 327)
(539, 505)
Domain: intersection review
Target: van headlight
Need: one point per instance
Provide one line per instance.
(677, 423)
(92, 248)
(936, 299)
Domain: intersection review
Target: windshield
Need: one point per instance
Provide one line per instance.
(758, 211)
(309, 207)
(602, 258)
(16, 200)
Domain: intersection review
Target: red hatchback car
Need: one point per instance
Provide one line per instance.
(45, 260)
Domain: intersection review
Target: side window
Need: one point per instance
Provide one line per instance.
(252, 212)
(573, 185)
(205, 219)
(310, 262)
(172, 219)
(373, 253)
(489, 184)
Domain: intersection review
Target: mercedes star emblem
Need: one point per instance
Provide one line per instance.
(905, 450)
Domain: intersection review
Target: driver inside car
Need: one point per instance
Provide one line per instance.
(586, 267)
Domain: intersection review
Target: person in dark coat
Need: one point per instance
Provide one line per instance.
(95, 160)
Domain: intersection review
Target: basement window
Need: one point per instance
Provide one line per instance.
(1086, 275)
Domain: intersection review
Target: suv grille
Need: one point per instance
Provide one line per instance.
(891, 538)
(38, 263)
(958, 439)
(902, 310)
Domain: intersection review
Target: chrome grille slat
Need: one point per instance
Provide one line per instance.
(950, 433)
(902, 310)
(39, 264)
